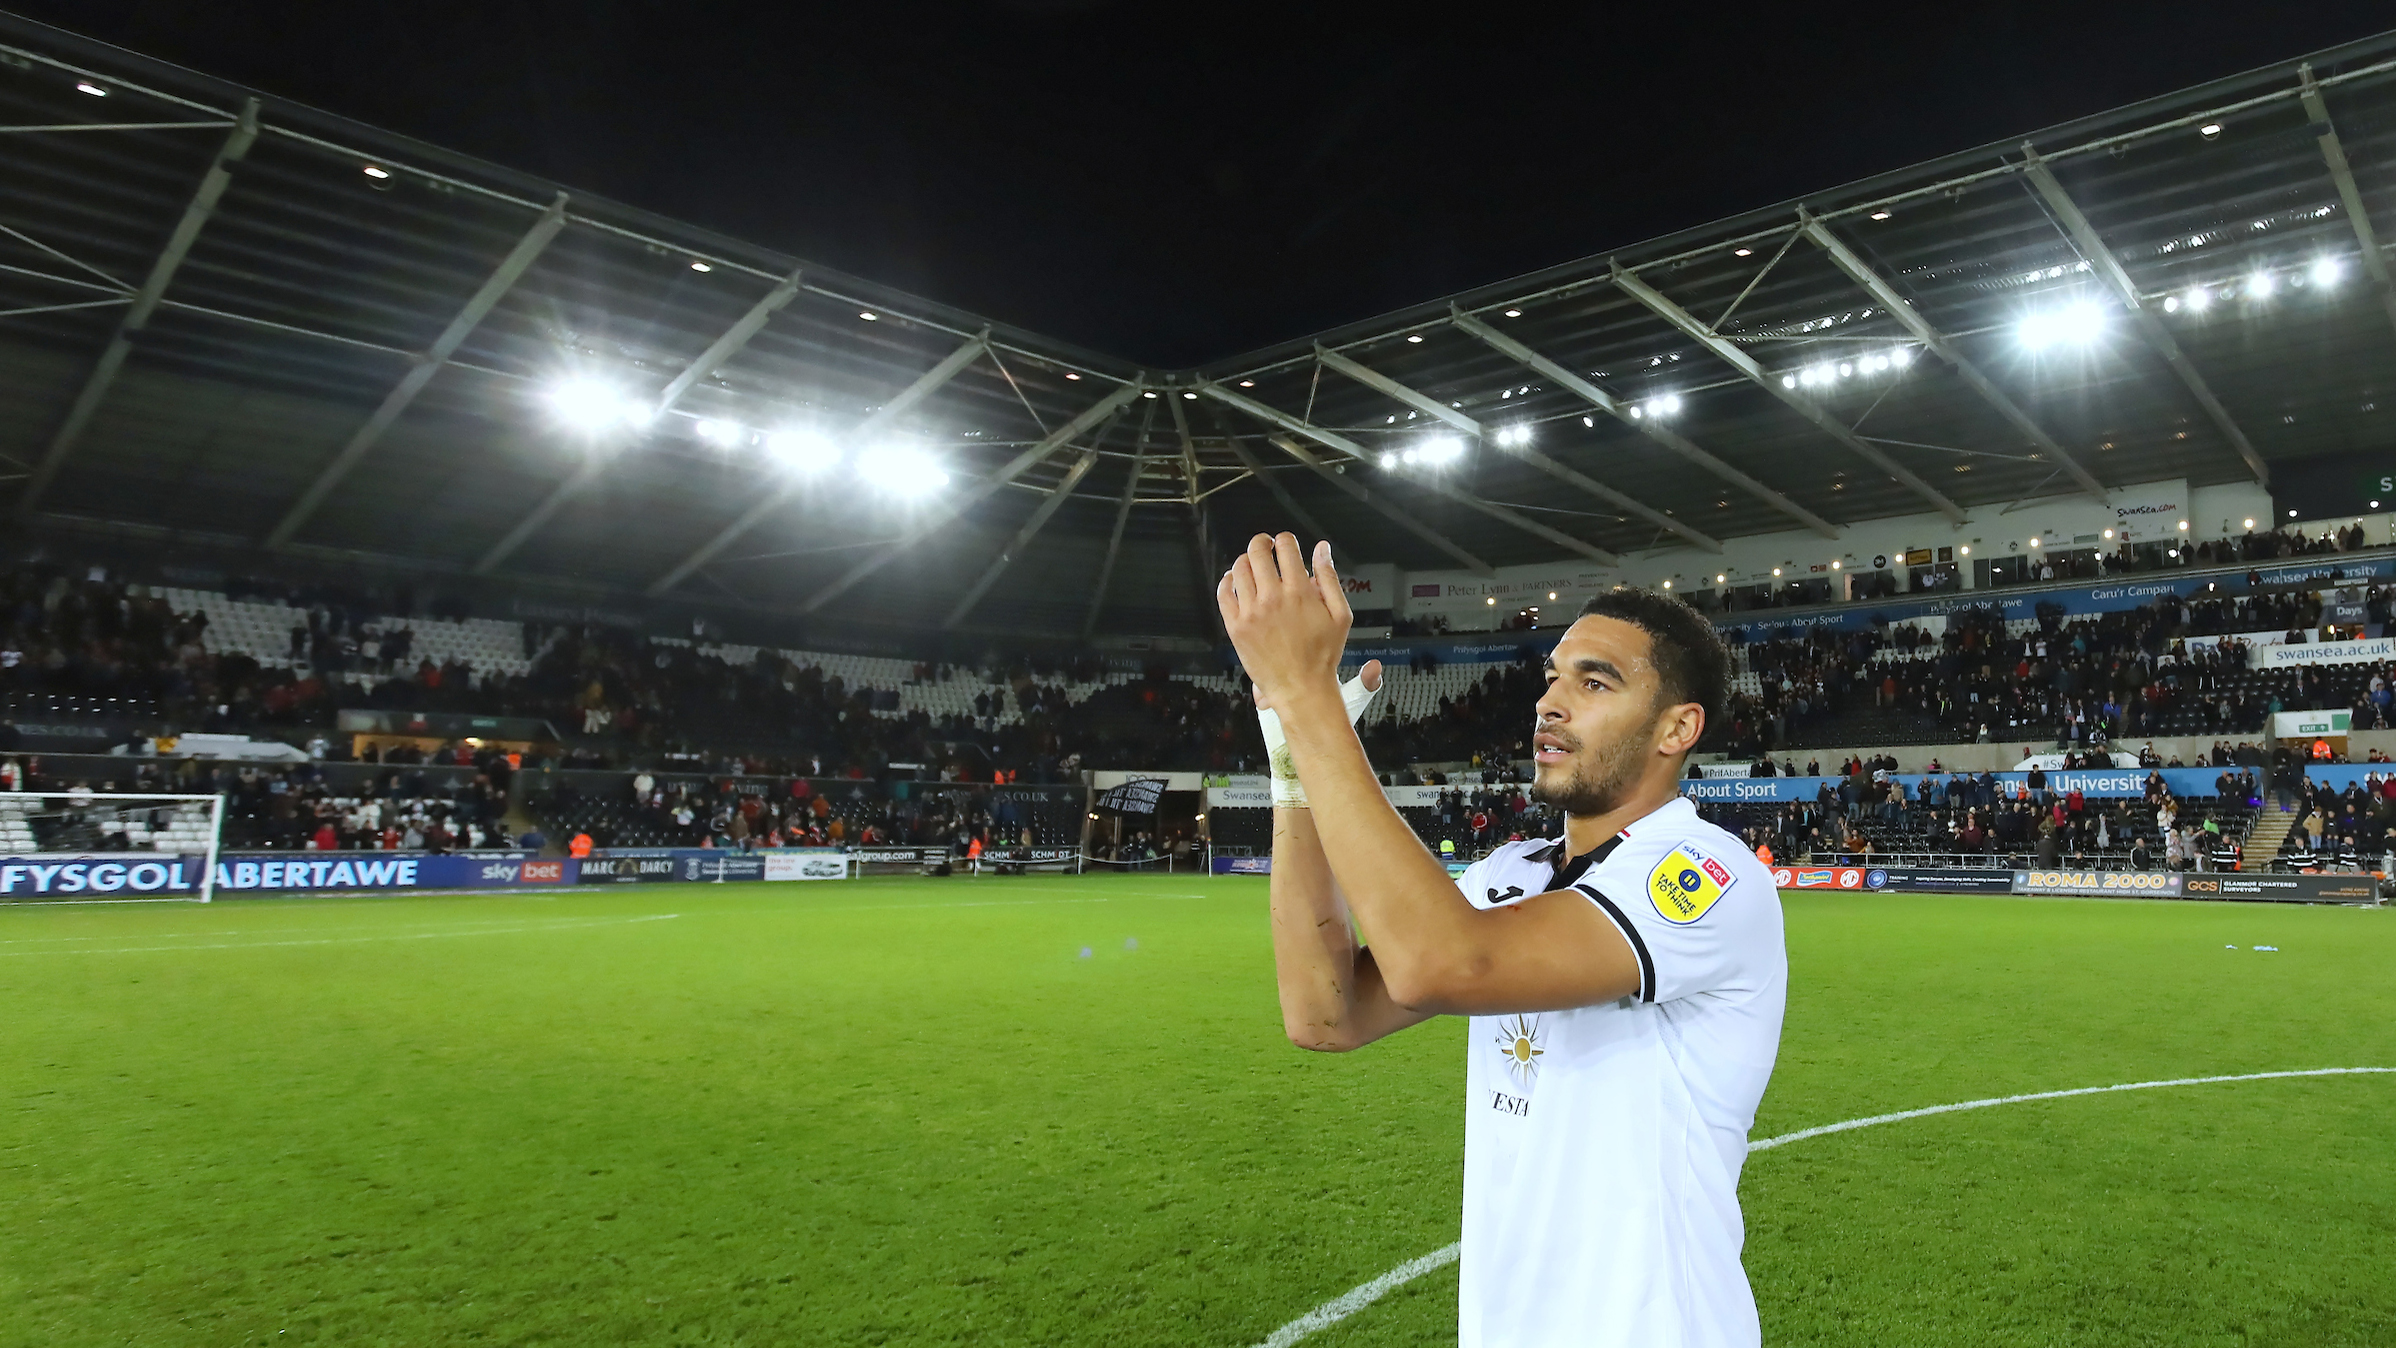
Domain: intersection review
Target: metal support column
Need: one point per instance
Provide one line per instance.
(1903, 311)
(1367, 496)
(2106, 265)
(904, 402)
(936, 517)
(2333, 151)
(145, 303)
(712, 359)
(494, 288)
(1114, 539)
(1728, 353)
(997, 566)
(1423, 402)
(1653, 430)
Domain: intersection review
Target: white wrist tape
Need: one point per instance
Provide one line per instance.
(1287, 793)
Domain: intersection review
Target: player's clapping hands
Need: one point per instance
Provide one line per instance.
(1288, 627)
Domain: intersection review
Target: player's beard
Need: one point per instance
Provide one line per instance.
(1601, 777)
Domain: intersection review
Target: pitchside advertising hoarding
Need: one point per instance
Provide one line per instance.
(135, 876)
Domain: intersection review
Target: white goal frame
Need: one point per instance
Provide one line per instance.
(60, 802)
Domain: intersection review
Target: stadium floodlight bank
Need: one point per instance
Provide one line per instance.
(88, 847)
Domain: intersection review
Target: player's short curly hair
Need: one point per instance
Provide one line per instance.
(1692, 664)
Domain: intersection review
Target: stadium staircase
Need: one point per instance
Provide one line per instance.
(2263, 840)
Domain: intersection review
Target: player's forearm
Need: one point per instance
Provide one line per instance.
(1413, 917)
(1314, 951)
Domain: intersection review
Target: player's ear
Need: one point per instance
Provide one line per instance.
(1684, 725)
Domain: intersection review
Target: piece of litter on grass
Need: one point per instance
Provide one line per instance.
(2272, 948)
(2229, 947)
(1085, 952)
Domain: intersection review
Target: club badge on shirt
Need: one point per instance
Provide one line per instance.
(1685, 884)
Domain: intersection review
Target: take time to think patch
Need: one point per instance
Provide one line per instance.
(1686, 883)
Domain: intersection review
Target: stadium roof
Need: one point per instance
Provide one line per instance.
(245, 325)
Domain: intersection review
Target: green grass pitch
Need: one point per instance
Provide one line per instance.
(911, 1112)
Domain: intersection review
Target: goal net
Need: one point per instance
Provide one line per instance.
(84, 846)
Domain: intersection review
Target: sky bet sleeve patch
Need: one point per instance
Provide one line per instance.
(1685, 884)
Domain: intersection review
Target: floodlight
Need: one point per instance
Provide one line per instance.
(2261, 284)
(1441, 449)
(2034, 542)
(1875, 364)
(802, 451)
(1069, 374)
(87, 87)
(1590, 422)
(2375, 505)
(1667, 405)
(2183, 526)
(2326, 270)
(2251, 524)
(2171, 304)
(592, 406)
(1742, 252)
(2198, 298)
(1776, 570)
(1901, 357)
(2209, 130)
(2075, 324)
(1963, 552)
(1414, 336)
(1514, 313)
(869, 316)
(1667, 585)
(1834, 563)
(2108, 533)
(1788, 381)
(718, 432)
(1880, 215)
(1389, 458)
(1637, 414)
(373, 171)
(697, 265)
(2291, 514)
(1149, 394)
(1552, 594)
(1720, 579)
(1190, 396)
(902, 470)
(1846, 368)
(1247, 383)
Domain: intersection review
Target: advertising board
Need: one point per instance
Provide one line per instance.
(1933, 880)
(1821, 877)
(2283, 888)
(2106, 884)
(1243, 865)
(806, 866)
(281, 871)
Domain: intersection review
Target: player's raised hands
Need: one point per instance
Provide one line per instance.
(1289, 627)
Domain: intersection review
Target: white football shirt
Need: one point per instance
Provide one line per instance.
(1602, 1145)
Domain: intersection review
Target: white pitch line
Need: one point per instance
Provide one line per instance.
(1357, 1298)
(567, 925)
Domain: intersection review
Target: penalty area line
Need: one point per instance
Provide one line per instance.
(1357, 1298)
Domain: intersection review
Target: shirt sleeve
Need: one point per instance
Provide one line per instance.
(1685, 911)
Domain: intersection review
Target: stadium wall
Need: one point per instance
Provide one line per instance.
(2140, 513)
(2001, 756)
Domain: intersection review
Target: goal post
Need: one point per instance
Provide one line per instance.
(109, 846)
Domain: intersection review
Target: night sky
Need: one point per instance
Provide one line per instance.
(1177, 183)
